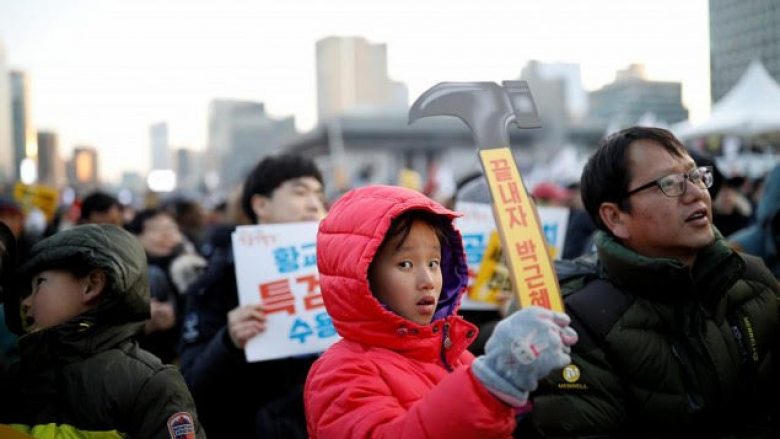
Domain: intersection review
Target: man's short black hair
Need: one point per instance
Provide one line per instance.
(97, 202)
(271, 173)
(606, 175)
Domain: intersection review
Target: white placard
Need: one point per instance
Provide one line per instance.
(276, 265)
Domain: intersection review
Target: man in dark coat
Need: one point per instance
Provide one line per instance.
(280, 189)
(678, 333)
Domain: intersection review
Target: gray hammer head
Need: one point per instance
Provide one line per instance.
(485, 107)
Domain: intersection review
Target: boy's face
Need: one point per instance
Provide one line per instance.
(295, 200)
(407, 278)
(57, 296)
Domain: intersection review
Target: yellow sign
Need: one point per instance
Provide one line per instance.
(40, 196)
(493, 276)
(410, 179)
(530, 266)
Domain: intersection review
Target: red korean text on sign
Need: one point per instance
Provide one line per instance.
(277, 296)
(540, 297)
(532, 275)
(509, 193)
(526, 250)
(501, 170)
(313, 298)
(534, 280)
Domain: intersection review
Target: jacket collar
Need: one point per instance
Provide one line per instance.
(715, 269)
(73, 340)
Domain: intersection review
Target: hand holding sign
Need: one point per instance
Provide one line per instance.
(245, 322)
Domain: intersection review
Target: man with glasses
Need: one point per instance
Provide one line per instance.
(678, 333)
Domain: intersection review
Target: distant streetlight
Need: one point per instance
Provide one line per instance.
(125, 196)
(161, 180)
(68, 196)
(28, 171)
(212, 180)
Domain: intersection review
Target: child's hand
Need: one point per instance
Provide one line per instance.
(244, 322)
(523, 349)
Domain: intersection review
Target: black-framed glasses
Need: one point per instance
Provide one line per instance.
(674, 185)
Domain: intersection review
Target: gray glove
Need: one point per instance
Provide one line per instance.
(524, 348)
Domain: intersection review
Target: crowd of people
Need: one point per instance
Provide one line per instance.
(128, 323)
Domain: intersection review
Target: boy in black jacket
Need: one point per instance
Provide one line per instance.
(84, 294)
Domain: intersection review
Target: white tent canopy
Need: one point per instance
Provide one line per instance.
(751, 107)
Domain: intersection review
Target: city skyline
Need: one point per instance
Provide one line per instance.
(103, 71)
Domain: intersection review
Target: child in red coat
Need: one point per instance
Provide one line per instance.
(392, 270)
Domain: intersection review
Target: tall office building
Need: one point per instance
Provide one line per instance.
(51, 168)
(240, 133)
(160, 148)
(352, 76)
(188, 169)
(558, 87)
(24, 135)
(560, 102)
(741, 31)
(134, 182)
(632, 96)
(7, 170)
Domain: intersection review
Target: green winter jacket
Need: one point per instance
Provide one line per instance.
(87, 377)
(667, 351)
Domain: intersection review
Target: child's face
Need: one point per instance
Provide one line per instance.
(407, 278)
(57, 296)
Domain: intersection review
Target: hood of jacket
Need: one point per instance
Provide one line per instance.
(347, 241)
(100, 246)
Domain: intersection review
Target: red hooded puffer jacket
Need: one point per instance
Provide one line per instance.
(390, 377)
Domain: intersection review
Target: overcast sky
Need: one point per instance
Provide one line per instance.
(104, 70)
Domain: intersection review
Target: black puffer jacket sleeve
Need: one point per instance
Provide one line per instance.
(208, 358)
(588, 403)
(164, 405)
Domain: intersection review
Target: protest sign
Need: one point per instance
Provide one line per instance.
(487, 271)
(475, 226)
(39, 196)
(488, 109)
(276, 265)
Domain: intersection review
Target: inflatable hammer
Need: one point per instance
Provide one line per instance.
(488, 109)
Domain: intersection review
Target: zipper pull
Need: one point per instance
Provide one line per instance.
(446, 343)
